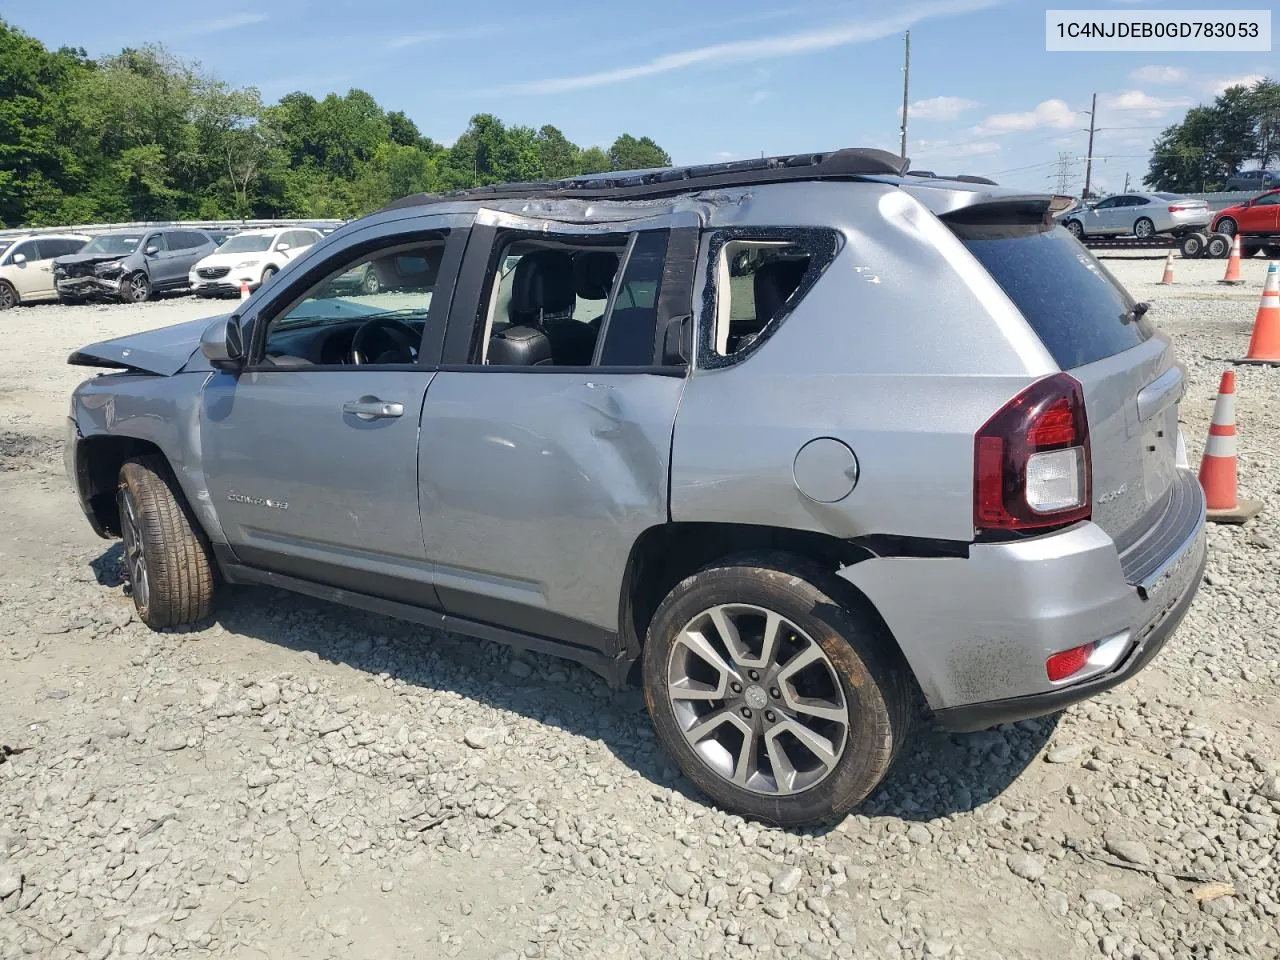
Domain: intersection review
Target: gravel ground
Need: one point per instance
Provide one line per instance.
(300, 780)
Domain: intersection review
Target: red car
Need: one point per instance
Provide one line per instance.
(1257, 221)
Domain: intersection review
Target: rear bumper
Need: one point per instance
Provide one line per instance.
(977, 631)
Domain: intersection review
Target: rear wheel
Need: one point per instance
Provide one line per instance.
(135, 288)
(1144, 228)
(1192, 245)
(777, 701)
(166, 556)
(1218, 247)
(8, 296)
(1228, 226)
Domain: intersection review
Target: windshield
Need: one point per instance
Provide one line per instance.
(246, 243)
(112, 244)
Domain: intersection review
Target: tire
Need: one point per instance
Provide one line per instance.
(135, 288)
(856, 670)
(370, 284)
(268, 273)
(1144, 228)
(1228, 226)
(166, 555)
(1218, 247)
(1076, 228)
(1192, 246)
(8, 296)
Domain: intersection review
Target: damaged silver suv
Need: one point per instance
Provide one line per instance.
(795, 443)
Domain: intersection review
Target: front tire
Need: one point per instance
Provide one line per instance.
(776, 700)
(1076, 228)
(166, 555)
(8, 296)
(1228, 226)
(135, 288)
(268, 273)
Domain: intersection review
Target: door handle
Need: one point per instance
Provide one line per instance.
(371, 408)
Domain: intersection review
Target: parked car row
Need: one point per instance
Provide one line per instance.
(134, 264)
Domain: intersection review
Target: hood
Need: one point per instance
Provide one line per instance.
(72, 258)
(164, 351)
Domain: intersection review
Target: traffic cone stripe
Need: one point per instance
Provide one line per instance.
(1222, 429)
(1221, 446)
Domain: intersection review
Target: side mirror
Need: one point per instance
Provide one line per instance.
(282, 247)
(19, 258)
(151, 251)
(222, 343)
(677, 342)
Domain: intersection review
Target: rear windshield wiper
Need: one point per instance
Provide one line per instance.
(1136, 312)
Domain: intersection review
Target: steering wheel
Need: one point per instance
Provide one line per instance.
(398, 333)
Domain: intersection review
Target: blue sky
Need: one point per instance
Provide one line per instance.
(708, 81)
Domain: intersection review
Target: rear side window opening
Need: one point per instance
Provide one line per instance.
(756, 276)
(1076, 306)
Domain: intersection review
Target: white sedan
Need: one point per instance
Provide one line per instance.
(251, 258)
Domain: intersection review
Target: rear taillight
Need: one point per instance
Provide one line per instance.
(1031, 460)
(1178, 209)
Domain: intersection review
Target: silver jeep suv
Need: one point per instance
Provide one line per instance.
(794, 443)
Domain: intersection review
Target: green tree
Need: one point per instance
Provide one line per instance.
(628, 153)
(557, 156)
(1213, 142)
(593, 160)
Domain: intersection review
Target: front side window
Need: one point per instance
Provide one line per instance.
(1269, 200)
(114, 244)
(28, 249)
(371, 309)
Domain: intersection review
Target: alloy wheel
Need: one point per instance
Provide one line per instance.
(139, 287)
(134, 556)
(757, 699)
(7, 297)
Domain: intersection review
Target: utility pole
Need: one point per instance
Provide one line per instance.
(906, 93)
(1126, 182)
(1088, 163)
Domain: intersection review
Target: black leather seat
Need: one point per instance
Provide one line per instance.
(544, 293)
(773, 284)
(519, 346)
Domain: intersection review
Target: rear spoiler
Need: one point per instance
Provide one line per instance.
(1025, 210)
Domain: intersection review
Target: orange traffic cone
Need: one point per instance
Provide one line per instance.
(1168, 269)
(244, 289)
(1264, 345)
(1233, 264)
(1218, 468)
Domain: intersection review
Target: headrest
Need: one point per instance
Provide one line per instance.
(519, 347)
(593, 272)
(543, 284)
(773, 283)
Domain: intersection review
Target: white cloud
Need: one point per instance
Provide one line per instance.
(1247, 80)
(1048, 113)
(760, 96)
(1149, 106)
(1158, 74)
(227, 23)
(940, 108)
(435, 36)
(763, 48)
(948, 150)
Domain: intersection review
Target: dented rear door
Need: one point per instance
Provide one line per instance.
(536, 481)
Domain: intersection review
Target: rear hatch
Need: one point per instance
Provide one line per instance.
(1097, 333)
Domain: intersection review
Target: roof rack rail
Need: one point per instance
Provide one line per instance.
(848, 164)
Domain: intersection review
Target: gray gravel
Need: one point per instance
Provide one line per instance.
(299, 780)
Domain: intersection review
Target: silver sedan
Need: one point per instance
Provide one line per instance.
(1138, 214)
